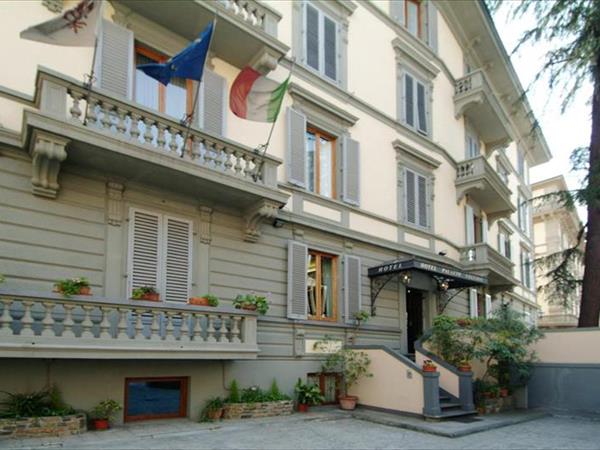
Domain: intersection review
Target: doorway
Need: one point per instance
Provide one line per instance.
(155, 398)
(414, 317)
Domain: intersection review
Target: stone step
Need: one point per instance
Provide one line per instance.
(452, 414)
(446, 406)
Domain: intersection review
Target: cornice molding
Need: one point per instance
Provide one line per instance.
(302, 95)
(403, 150)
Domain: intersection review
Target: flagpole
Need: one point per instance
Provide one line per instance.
(264, 147)
(190, 116)
(91, 76)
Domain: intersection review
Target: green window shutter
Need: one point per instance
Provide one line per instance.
(432, 26)
(178, 259)
(422, 201)
(397, 11)
(145, 252)
(296, 164)
(312, 37)
(297, 267)
(473, 303)
(213, 103)
(114, 67)
(351, 171)
(352, 286)
(410, 205)
(469, 222)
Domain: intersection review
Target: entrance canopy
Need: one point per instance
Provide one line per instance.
(446, 276)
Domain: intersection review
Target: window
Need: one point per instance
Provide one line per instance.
(520, 163)
(523, 214)
(415, 103)
(477, 229)
(412, 14)
(155, 398)
(504, 243)
(321, 286)
(416, 210)
(160, 254)
(481, 307)
(526, 268)
(502, 172)
(175, 99)
(321, 42)
(320, 162)
(472, 146)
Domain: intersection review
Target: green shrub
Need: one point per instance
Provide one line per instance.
(261, 303)
(212, 404)
(47, 402)
(71, 286)
(213, 300)
(308, 394)
(234, 392)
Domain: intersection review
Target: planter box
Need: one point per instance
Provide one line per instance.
(42, 426)
(252, 410)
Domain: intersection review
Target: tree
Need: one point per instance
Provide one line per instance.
(572, 27)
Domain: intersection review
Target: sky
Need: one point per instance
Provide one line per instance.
(563, 131)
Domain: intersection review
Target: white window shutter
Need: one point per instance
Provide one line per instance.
(296, 164)
(114, 66)
(502, 244)
(488, 305)
(351, 171)
(473, 303)
(297, 267)
(422, 200)
(352, 286)
(178, 259)
(214, 103)
(469, 222)
(144, 250)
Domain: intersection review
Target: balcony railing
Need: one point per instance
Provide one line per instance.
(474, 98)
(497, 267)
(477, 178)
(254, 13)
(79, 327)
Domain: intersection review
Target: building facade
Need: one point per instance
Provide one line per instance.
(556, 229)
(403, 138)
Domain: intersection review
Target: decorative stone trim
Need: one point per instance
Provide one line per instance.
(48, 152)
(205, 221)
(43, 426)
(54, 6)
(263, 210)
(254, 410)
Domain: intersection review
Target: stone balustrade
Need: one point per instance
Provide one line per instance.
(254, 13)
(481, 254)
(469, 82)
(92, 327)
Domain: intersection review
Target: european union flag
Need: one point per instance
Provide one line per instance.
(188, 64)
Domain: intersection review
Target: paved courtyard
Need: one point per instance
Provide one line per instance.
(323, 431)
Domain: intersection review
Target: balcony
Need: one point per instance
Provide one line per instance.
(474, 99)
(481, 182)
(484, 260)
(246, 31)
(51, 326)
(131, 142)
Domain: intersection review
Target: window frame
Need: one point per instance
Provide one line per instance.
(318, 133)
(334, 281)
(158, 57)
(321, 41)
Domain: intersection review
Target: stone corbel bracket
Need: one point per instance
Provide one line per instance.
(261, 211)
(47, 151)
(462, 191)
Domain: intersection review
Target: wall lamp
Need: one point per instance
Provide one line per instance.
(405, 277)
(278, 223)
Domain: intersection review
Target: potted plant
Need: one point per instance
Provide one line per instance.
(465, 366)
(148, 293)
(504, 392)
(353, 365)
(429, 366)
(102, 413)
(213, 409)
(251, 302)
(307, 395)
(360, 317)
(205, 300)
(73, 286)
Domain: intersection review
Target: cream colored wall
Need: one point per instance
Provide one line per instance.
(575, 346)
(448, 380)
(393, 386)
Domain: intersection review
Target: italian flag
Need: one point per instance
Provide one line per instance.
(255, 97)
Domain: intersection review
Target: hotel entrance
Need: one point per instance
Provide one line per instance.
(414, 317)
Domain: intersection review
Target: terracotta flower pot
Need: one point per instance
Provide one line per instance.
(504, 392)
(85, 290)
(429, 369)
(249, 307)
(198, 301)
(302, 407)
(100, 424)
(348, 402)
(151, 297)
(464, 368)
(215, 414)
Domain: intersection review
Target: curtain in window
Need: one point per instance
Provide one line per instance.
(311, 147)
(146, 88)
(327, 286)
(412, 17)
(325, 168)
(311, 284)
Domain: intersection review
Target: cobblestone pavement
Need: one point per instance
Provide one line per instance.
(323, 431)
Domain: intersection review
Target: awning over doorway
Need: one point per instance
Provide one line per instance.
(445, 275)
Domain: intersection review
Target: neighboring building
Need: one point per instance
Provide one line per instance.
(397, 169)
(555, 229)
